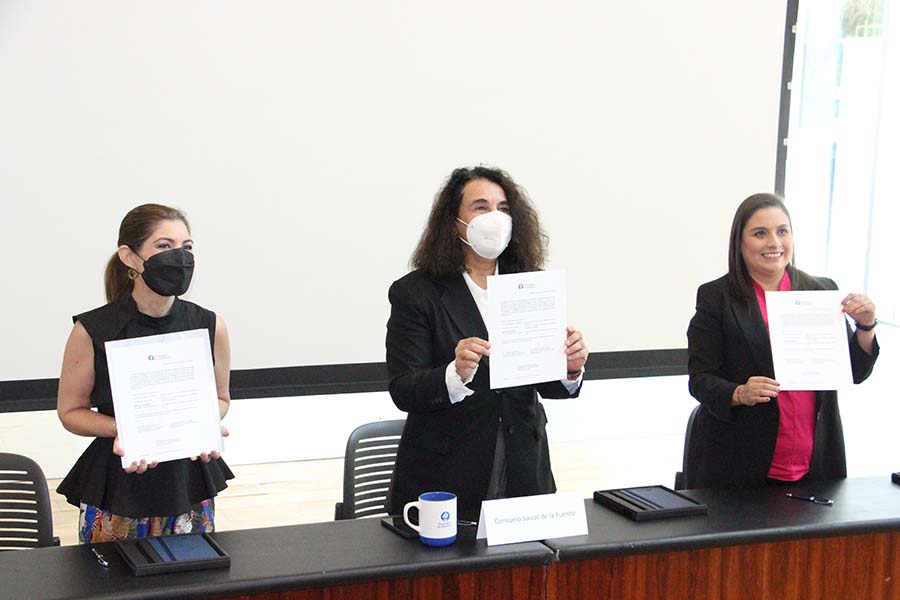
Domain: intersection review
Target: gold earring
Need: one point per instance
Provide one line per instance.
(132, 274)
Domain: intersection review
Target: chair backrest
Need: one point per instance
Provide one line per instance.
(685, 474)
(25, 517)
(368, 469)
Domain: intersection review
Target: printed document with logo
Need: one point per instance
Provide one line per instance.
(527, 328)
(808, 332)
(164, 394)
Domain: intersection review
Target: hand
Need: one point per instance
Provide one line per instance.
(755, 391)
(208, 456)
(860, 308)
(576, 350)
(468, 353)
(135, 467)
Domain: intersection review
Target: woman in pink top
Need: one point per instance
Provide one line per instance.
(749, 432)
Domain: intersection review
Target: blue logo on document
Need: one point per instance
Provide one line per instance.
(445, 516)
(521, 286)
(151, 357)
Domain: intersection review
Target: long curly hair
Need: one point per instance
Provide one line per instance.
(440, 253)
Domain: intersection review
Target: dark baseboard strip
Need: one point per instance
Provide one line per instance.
(308, 381)
(40, 394)
(636, 363)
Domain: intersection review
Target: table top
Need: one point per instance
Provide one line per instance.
(348, 552)
(742, 517)
(262, 560)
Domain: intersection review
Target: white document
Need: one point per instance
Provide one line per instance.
(164, 394)
(530, 518)
(527, 328)
(808, 332)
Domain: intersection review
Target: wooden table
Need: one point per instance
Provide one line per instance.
(752, 544)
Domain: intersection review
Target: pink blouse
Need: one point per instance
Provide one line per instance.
(797, 422)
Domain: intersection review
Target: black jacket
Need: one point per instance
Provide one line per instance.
(728, 343)
(450, 447)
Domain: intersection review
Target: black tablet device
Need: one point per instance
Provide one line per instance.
(649, 502)
(170, 553)
(399, 526)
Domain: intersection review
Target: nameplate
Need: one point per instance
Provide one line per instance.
(531, 518)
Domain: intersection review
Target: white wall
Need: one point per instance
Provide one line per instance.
(307, 139)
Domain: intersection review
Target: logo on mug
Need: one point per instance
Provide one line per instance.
(445, 516)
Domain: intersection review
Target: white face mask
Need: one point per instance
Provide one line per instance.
(489, 233)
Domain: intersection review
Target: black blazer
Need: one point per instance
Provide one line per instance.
(450, 447)
(728, 343)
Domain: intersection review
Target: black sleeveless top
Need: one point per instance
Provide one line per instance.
(97, 477)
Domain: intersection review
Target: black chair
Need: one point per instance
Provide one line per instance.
(682, 476)
(26, 520)
(368, 468)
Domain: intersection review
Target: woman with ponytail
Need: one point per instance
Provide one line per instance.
(151, 268)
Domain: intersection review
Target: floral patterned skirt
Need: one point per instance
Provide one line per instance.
(96, 525)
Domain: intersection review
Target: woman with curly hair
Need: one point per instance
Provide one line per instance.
(461, 436)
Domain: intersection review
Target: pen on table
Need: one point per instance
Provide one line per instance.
(469, 523)
(813, 499)
(103, 562)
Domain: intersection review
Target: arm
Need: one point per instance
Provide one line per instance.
(73, 401)
(706, 357)
(554, 390)
(76, 380)
(416, 383)
(576, 356)
(706, 362)
(863, 345)
(222, 373)
(223, 367)
(862, 361)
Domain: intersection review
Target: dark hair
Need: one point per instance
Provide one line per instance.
(136, 227)
(439, 252)
(738, 276)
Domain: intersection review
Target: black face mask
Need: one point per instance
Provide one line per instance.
(169, 273)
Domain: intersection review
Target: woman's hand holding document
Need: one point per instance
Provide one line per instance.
(808, 332)
(527, 328)
(164, 393)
